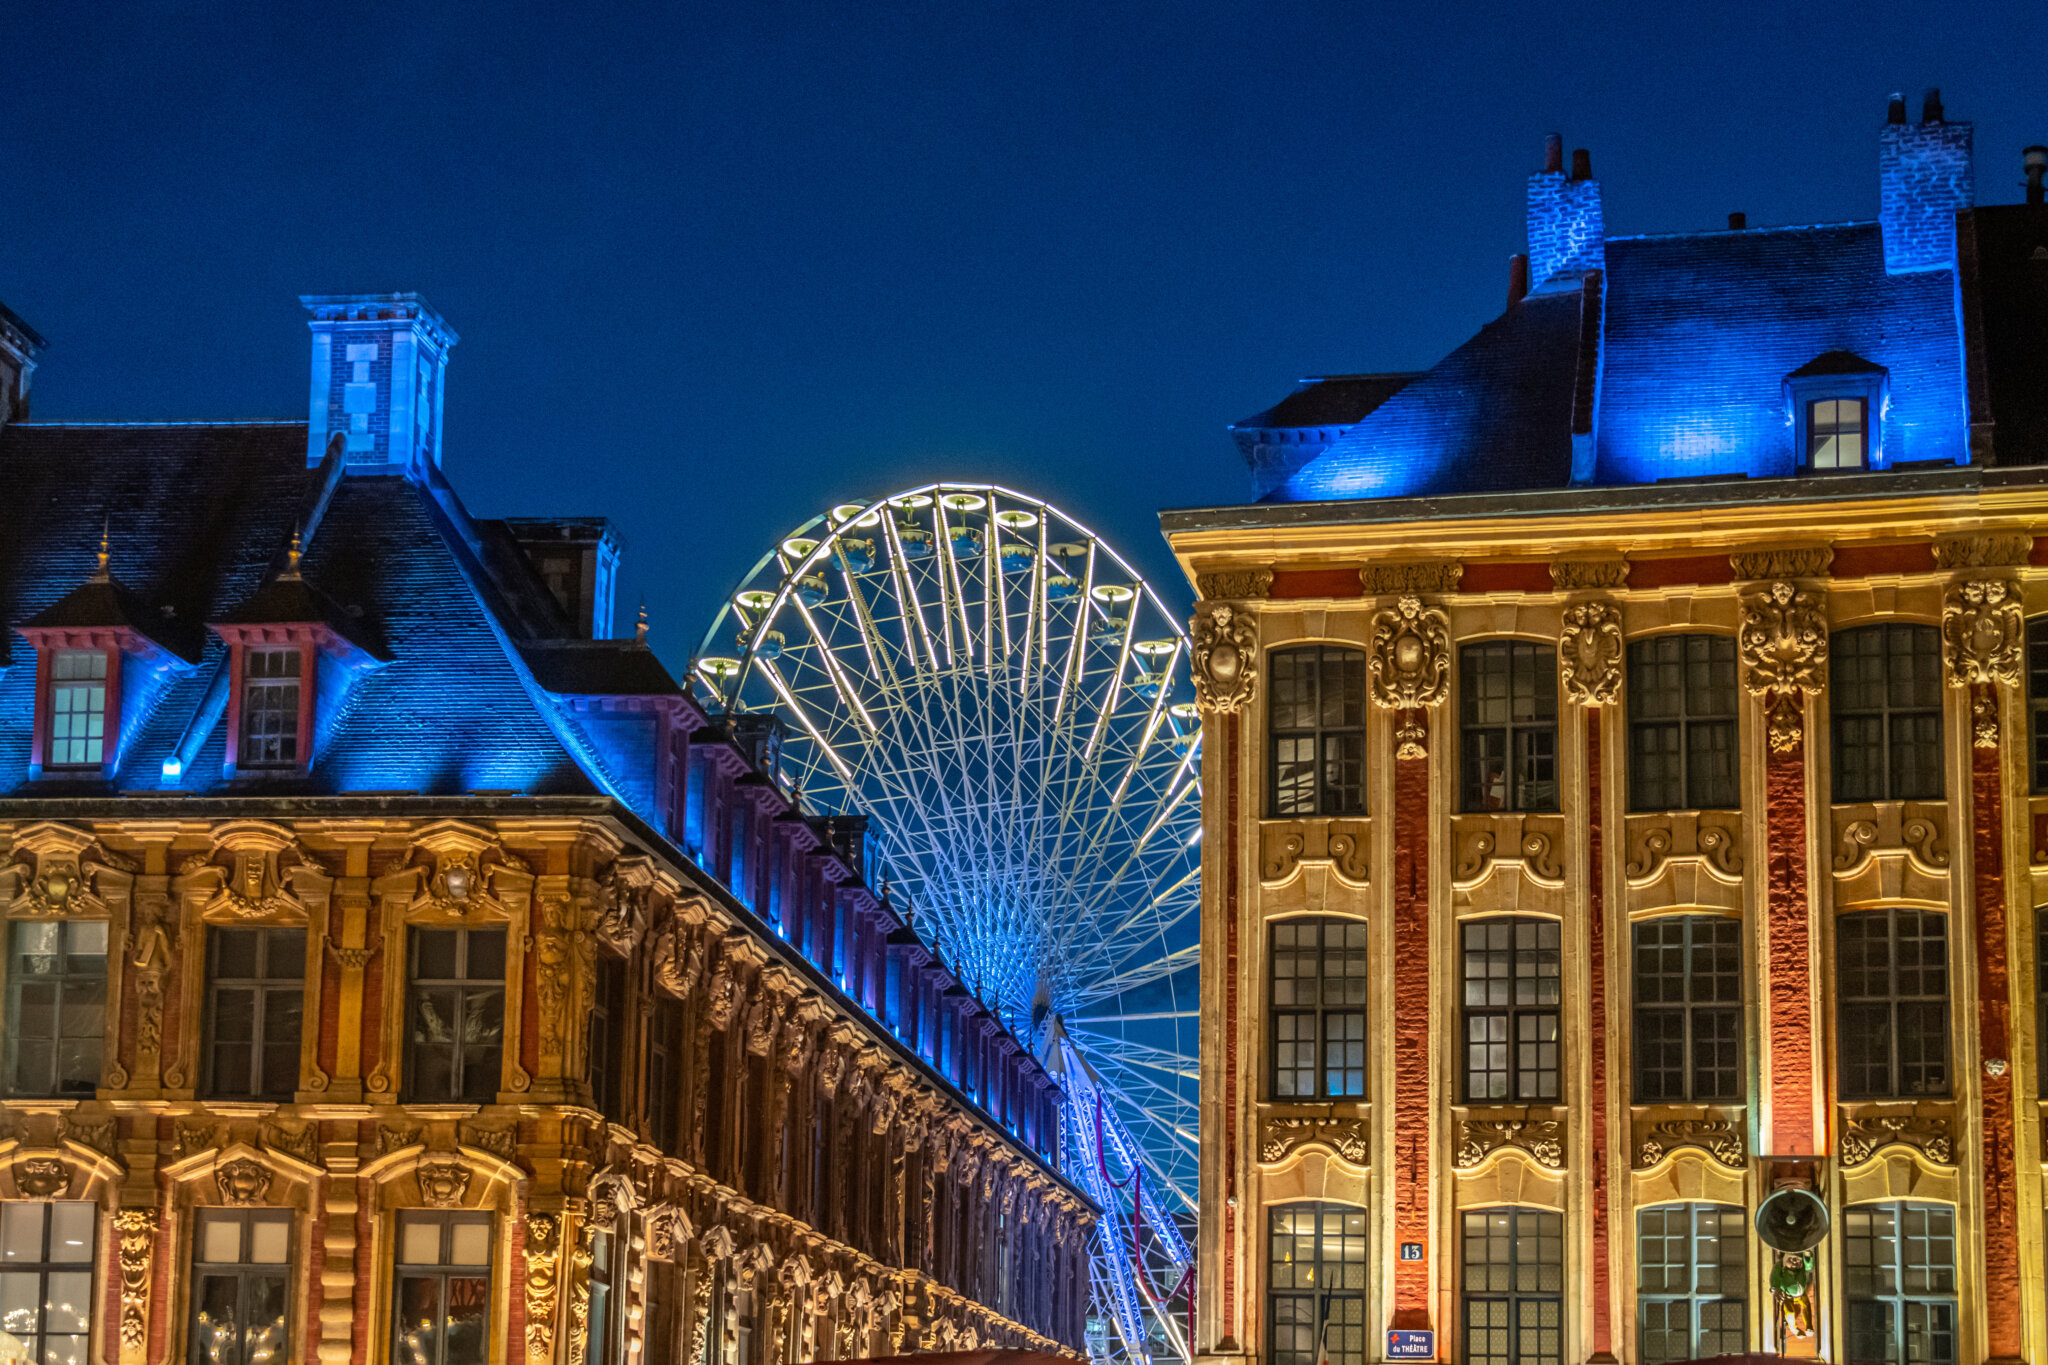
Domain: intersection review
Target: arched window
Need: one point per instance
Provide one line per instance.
(1511, 973)
(1317, 731)
(1514, 1286)
(1318, 985)
(1688, 995)
(1315, 1284)
(1891, 982)
(1692, 1268)
(1887, 712)
(1899, 1279)
(1507, 738)
(1681, 723)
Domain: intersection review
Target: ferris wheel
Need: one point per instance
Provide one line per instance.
(1007, 701)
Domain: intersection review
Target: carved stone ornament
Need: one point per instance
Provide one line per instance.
(1863, 1138)
(1712, 845)
(98, 1136)
(135, 1240)
(1589, 651)
(1793, 561)
(1984, 630)
(443, 1184)
(543, 1260)
(1783, 644)
(502, 1143)
(189, 1138)
(722, 998)
(242, 1181)
(1225, 658)
(1920, 837)
(1572, 575)
(41, 1178)
(303, 1145)
(1542, 1139)
(1234, 583)
(1410, 664)
(391, 1140)
(1428, 575)
(1719, 1138)
(1344, 1136)
(1990, 550)
(1538, 858)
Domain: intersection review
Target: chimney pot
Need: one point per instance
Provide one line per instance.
(1553, 152)
(1737, 221)
(2034, 160)
(1518, 278)
(1930, 105)
(1582, 164)
(1897, 112)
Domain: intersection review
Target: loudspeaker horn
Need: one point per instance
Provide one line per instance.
(1792, 1220)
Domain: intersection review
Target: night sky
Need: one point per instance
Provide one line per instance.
(719, 266)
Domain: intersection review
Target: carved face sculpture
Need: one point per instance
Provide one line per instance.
(1224, 661)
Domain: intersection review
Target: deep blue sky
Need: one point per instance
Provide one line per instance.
(718, 266)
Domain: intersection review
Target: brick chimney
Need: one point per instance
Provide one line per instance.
(378, 363)
(1924, 177)
(1567, 235)
(19, 347)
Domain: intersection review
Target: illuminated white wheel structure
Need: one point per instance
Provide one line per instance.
(1007, 701)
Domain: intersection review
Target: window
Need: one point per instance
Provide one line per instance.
(1319, 977)
(255, 994)
(607, 1033)
(1891, 974)
(46, 1279)
(78, 709)
(1316, 1285)
(1318, 731)
(1899, 1278)
(241, 1294)
(1511, 998)
(1681, 732)
(270, 708)
(2041, 990)
(1837, 434)
(56, 1006)
(603, 1301)
(443, 1312)
(1507, 703)
(1688, 971)
(664, 1072)
(1692, 1267)
(1514, 1287)
(457, 1035)
(1887, 709)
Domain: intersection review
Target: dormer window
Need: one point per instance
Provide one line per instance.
(78, 709)
(1837, 433)
(270, 708)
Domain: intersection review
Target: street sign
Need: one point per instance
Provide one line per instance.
(1410, 1345)
(1411, 1251)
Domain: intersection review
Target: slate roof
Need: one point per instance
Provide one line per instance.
(1335, 400)
(198, 516)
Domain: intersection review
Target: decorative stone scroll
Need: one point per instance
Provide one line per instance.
(1985, 550)
(1719, 1138)
(1573, 575)
(1424, 575)
(1537, 856)
(1224, 656)
(1920, 839)
(1783, 644)
(1340, 844)
(1711, 846)
(1344, 1136)
(1589, 652)
(1541, 1139)
(1241, 584)
(1927, 1134)
(135, 1242)
(1410, 666)
(1793, 561)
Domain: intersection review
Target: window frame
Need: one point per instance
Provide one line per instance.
(1689, 1009)
(604, 1322)
(664, 1071)
(1900, 1301)
(1542, 667)
(2037, 703)
(64, 981)
(1512, 1011)
(1685, 720)
(301, 680)
(1324, 739)
(1810, 409)
(1320, 1297)
(1694, 1211)
(243, 1271)
(1928, 640)
(46, 1267)
(605, 1040)
(107, 714)
(1321, 1011)
(1892, 1002)
(462, 987)
(1514, 1296)
(262, 986)
(442, 1270)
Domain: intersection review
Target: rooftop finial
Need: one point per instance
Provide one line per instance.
(293, 554)
(640, 627)
(102, 574)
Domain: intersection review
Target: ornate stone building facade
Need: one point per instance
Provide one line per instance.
(395, 973)
(1589, 857)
